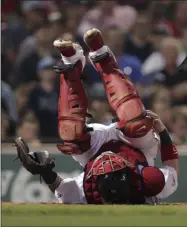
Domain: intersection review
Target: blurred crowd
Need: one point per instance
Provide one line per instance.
(148, 39)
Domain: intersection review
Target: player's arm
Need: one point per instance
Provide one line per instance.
(68, 190)
(52, 180)
(169, 157)
(169, 154)
(168, 151)
(40, 163)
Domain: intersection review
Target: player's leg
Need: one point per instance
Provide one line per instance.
(73, 103)
(122, 95)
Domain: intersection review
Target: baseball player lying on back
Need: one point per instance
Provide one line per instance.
(118, 160)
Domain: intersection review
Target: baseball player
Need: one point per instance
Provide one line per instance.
(118, 160)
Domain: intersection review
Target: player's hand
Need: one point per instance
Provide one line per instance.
(157, 123)
(37, 162)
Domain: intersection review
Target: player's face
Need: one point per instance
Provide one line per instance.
(29, 131)
(106, 6)
(47, 75)
(142, 27)
(170, 54)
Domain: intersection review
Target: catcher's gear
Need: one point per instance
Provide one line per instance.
(121, 93)
(35, 162)
(121, 175)
(114, 187)
(73, 103)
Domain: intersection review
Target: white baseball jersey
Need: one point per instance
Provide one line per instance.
(71, 189)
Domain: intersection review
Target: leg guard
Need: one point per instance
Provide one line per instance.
(123, 98)
(72, 110)
(121, 93)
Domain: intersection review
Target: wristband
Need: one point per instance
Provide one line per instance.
(49, 177)
(52, 179)
(168, 149)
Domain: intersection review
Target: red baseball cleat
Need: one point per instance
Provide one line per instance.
(94, 39)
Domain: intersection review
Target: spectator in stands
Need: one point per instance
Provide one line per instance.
(129, 64)
(33, 14)
(184, 41)
(7, 96)
(170, 15)
(178, 90)
(169, 76)
(137, 42)
(21, 95)
(57, 25)
(55, 29)
(4, 123)
(169, 51)
(30, 27)
(25, 69)
(156, 37)
(101, 111)
(106, 118)
(74, 11)
(161, 42)
(28, 129)
(8, 7)
(43, 99)
(149, 67)
(106, 14)
(179, 128)
(99, 108)
(161, 104)
(6, 66)
(177, 25)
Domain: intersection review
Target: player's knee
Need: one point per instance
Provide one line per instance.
(137, 127)
(75, 137)
(71, 130)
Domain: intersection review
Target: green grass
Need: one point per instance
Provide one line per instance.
(87, 215)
